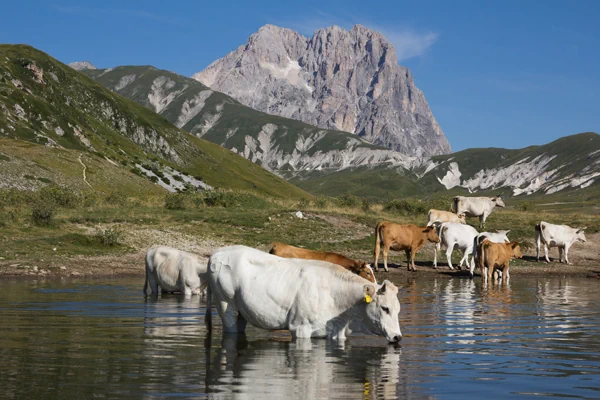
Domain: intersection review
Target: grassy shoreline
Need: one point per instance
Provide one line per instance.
(108, 236)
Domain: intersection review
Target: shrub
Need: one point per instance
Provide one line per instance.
(304, 203)
(109, 237)
(166, 180)
(178, 178)
(366, 205)
(60, 196)
(15, 198)
(154, 179)
(224, 198)
(116, 198)
(321, 202)
(350, 201)
(7, 218)
(406, 207)
(525, 206)
(175, 201)
(42, 213)
(124, 162)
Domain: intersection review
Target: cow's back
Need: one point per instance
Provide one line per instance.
(269, 290)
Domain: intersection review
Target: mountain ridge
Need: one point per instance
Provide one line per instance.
(337, 79)
(47, 103)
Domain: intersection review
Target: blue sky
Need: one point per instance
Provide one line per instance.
(495, 73)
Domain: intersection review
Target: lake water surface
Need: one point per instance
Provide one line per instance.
(102, 339)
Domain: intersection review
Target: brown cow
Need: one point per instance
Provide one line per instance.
(409, 238)
(360, 268)
(496, 256)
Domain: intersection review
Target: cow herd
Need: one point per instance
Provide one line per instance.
(323, 294)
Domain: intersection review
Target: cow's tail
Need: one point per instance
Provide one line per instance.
(208, 315)
(147, 263)
(454, 205)
(482, 259)
(378, 238)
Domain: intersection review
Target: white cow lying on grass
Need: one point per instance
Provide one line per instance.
(455, 234)
(310, 298)
(174, 271)
(561, 236)
(494, 237)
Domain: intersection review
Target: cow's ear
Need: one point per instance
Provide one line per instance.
(581, 229)
(369, 292)
(514, 244)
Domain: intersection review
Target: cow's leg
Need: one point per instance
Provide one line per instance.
(241, 323)
(490, 273)
(301, 331)
(438, 247)
(386, 250)
(538, 243)
(560, 254)
(153, 283)
(546, 252)
(449, 251)
(412, 259)
(506, 274)
(566, 251)
(229, 316)
(377, 249)
(481, 221)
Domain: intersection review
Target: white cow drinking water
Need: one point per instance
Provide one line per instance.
(494, 237)
(174, 271)
(476, 206)
(310, 298)
(561, 236)
(455, 235)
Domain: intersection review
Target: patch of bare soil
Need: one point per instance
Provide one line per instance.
(358, 230)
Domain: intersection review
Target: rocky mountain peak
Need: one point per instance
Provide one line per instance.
(81, 65)
(337, 79)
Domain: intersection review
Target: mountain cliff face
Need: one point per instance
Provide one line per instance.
(342, 80)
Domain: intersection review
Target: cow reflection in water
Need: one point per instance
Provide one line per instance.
(304, 368)
(172, 317)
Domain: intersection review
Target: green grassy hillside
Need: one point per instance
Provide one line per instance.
(45, 102)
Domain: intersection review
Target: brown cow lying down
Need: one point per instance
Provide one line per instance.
(410, 238)
(358, 267)
(496, 256)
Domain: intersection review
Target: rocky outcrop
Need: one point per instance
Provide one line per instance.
(81, 65)
(338, 79)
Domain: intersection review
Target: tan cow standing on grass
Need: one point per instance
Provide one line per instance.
(360, 268)
(497, 256)
(445, 216)
(410, 238)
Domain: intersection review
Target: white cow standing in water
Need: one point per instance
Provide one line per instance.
(174, 271)
(310, 298)
(561, 236)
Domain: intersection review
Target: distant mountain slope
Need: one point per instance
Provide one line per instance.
(336, 79)
(44, 101)
(569, 164)
(282, 145)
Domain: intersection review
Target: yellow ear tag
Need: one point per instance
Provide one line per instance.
(367, 298)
